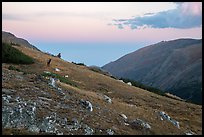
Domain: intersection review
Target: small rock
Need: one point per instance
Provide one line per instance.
(46, 99)
(190, 133)
(52, 82)
(123, 116)
(126, 124)
(121, 81)
(66, 76)
(59, 133)
(47, 72)
(59, 89)
(176, 123)
(110, 132)
(129, 83)
(164, 115)
(108, 99)
(56, 69)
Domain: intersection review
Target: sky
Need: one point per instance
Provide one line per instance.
(96, 33)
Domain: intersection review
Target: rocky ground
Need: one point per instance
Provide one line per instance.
(32, 104)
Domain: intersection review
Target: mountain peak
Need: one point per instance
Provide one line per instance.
(8, 37)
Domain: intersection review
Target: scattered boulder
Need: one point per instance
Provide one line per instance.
(110, 132)
(126, 124)
(66, 76)
(108, 99)
(56, 69)
(164, 116)
(138, 123)
(86, 104)
(52, 82)
(167, 117)
(123, 116)
(129, 83)
(121, 81)
(190, 133)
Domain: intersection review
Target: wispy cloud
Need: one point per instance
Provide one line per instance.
(186, 15)
(12, 17)
(28, 16)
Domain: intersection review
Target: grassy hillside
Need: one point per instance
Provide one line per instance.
(62, 110)
(12, 55)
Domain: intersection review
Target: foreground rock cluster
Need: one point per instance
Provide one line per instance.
(34, 109)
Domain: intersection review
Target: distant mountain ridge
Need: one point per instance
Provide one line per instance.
(8, 37)
(174, 66)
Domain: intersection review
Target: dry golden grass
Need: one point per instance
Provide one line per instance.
(131, 101)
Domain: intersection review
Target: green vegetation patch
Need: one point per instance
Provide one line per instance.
(13, 68)
(145, 87)
(61, 78)
(80, 64)
(12, 55)
(184, 95)
(97, 70)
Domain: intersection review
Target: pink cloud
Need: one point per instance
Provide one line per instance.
(194, 8)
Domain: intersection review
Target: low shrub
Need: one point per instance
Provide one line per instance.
(13, 68)
(13, 55)
(61, 78)
(81, 64)
(145, 87)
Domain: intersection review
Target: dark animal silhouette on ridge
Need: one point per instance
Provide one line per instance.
(48, 62)
(59, 55)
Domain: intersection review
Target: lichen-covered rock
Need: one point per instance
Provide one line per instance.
(138, 123)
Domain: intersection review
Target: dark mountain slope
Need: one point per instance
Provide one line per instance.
(174, 66)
